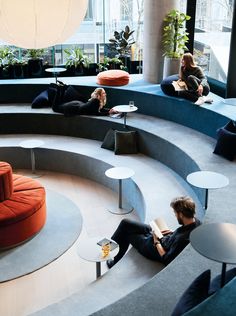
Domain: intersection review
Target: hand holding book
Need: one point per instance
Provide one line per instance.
(179, 85)
(159, 227)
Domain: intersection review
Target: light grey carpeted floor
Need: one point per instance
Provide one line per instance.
(64, 224)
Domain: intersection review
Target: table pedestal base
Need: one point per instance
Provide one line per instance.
(125, 209)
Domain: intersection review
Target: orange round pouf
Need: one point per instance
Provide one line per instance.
(6, 184)
(23, 214)
(113, 78)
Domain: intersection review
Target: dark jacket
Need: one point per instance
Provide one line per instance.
(80, 108)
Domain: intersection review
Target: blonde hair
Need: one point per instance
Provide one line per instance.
(97, 94)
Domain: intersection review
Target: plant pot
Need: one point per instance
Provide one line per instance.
(18, 71)
(92, 70)
(7, 72)
(35, 68)
(126, 61)
(171, 66)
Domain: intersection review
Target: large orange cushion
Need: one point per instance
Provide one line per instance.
(6, 183)
(24, 213)
(113, 78)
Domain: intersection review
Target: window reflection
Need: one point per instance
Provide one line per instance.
(212, 36)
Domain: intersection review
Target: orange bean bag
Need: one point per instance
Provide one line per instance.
(23, 213)
(113, 78)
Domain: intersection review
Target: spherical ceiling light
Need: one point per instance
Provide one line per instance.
(39, 23)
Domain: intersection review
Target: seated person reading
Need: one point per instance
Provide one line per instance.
(163, 248)
(94, 106)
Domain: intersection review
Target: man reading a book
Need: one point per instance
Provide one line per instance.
(159, 247)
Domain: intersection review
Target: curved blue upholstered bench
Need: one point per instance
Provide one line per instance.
(183, 154)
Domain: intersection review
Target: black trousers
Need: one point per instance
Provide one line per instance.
(193, 84)
(139, 236)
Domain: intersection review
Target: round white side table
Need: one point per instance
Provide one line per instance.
(89, 250)
(31, 144)
(55, 71)
(207, 180)
(125, 109)
(120, 173)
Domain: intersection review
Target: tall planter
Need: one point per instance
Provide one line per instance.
(35, 68)
(171, 66)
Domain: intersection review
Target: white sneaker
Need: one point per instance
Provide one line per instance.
(200, 100)
(208, 100)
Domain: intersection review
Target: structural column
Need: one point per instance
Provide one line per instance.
(154, 13)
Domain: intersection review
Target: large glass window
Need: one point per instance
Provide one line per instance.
(212, 36)
(102, 19)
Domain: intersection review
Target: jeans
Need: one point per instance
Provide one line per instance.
(193, 84)
(139, 236)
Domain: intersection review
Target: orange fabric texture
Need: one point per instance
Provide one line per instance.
(24, 213)
(113, 78)
(6, 183)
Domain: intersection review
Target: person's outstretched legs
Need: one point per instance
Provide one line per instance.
(127, 232)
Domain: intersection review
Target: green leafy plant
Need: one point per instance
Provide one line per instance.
(35, 53)
(175, 36)
(75, 57)
(109, 63)
(7, 56)
(122, 41)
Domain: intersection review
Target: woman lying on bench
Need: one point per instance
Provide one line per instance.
(94, 106)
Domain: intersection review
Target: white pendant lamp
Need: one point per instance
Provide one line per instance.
(39, 23)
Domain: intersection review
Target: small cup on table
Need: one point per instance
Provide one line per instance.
(131, 103)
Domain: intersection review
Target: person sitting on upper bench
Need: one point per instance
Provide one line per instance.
(195, 80)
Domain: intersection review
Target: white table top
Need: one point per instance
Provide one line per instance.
(55, 69)
(89, 250)
(207, 180)
(125, 108)
(119, 173)
(31, 143)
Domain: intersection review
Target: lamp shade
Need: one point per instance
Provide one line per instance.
(39, 23)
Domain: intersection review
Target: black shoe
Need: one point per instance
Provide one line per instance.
(110, 263)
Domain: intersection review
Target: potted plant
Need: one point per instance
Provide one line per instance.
(6, 61)
(110, 63)
(20, 68)
(35, 62)
(174, 41)
(76, 61)
(121, 44)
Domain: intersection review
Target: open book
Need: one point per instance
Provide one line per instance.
(159, 227)
(179, 85)
(104, 241)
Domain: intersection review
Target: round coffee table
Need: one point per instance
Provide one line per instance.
(120, 173)
(207, 180)
(216, 241)
(89, 250)
(55, 71)
(125, 109)
(31, 144)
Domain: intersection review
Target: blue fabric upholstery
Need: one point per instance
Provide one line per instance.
(41, 101)
(222, 303)
(194, 295)
(226, 141)
(215, 283)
